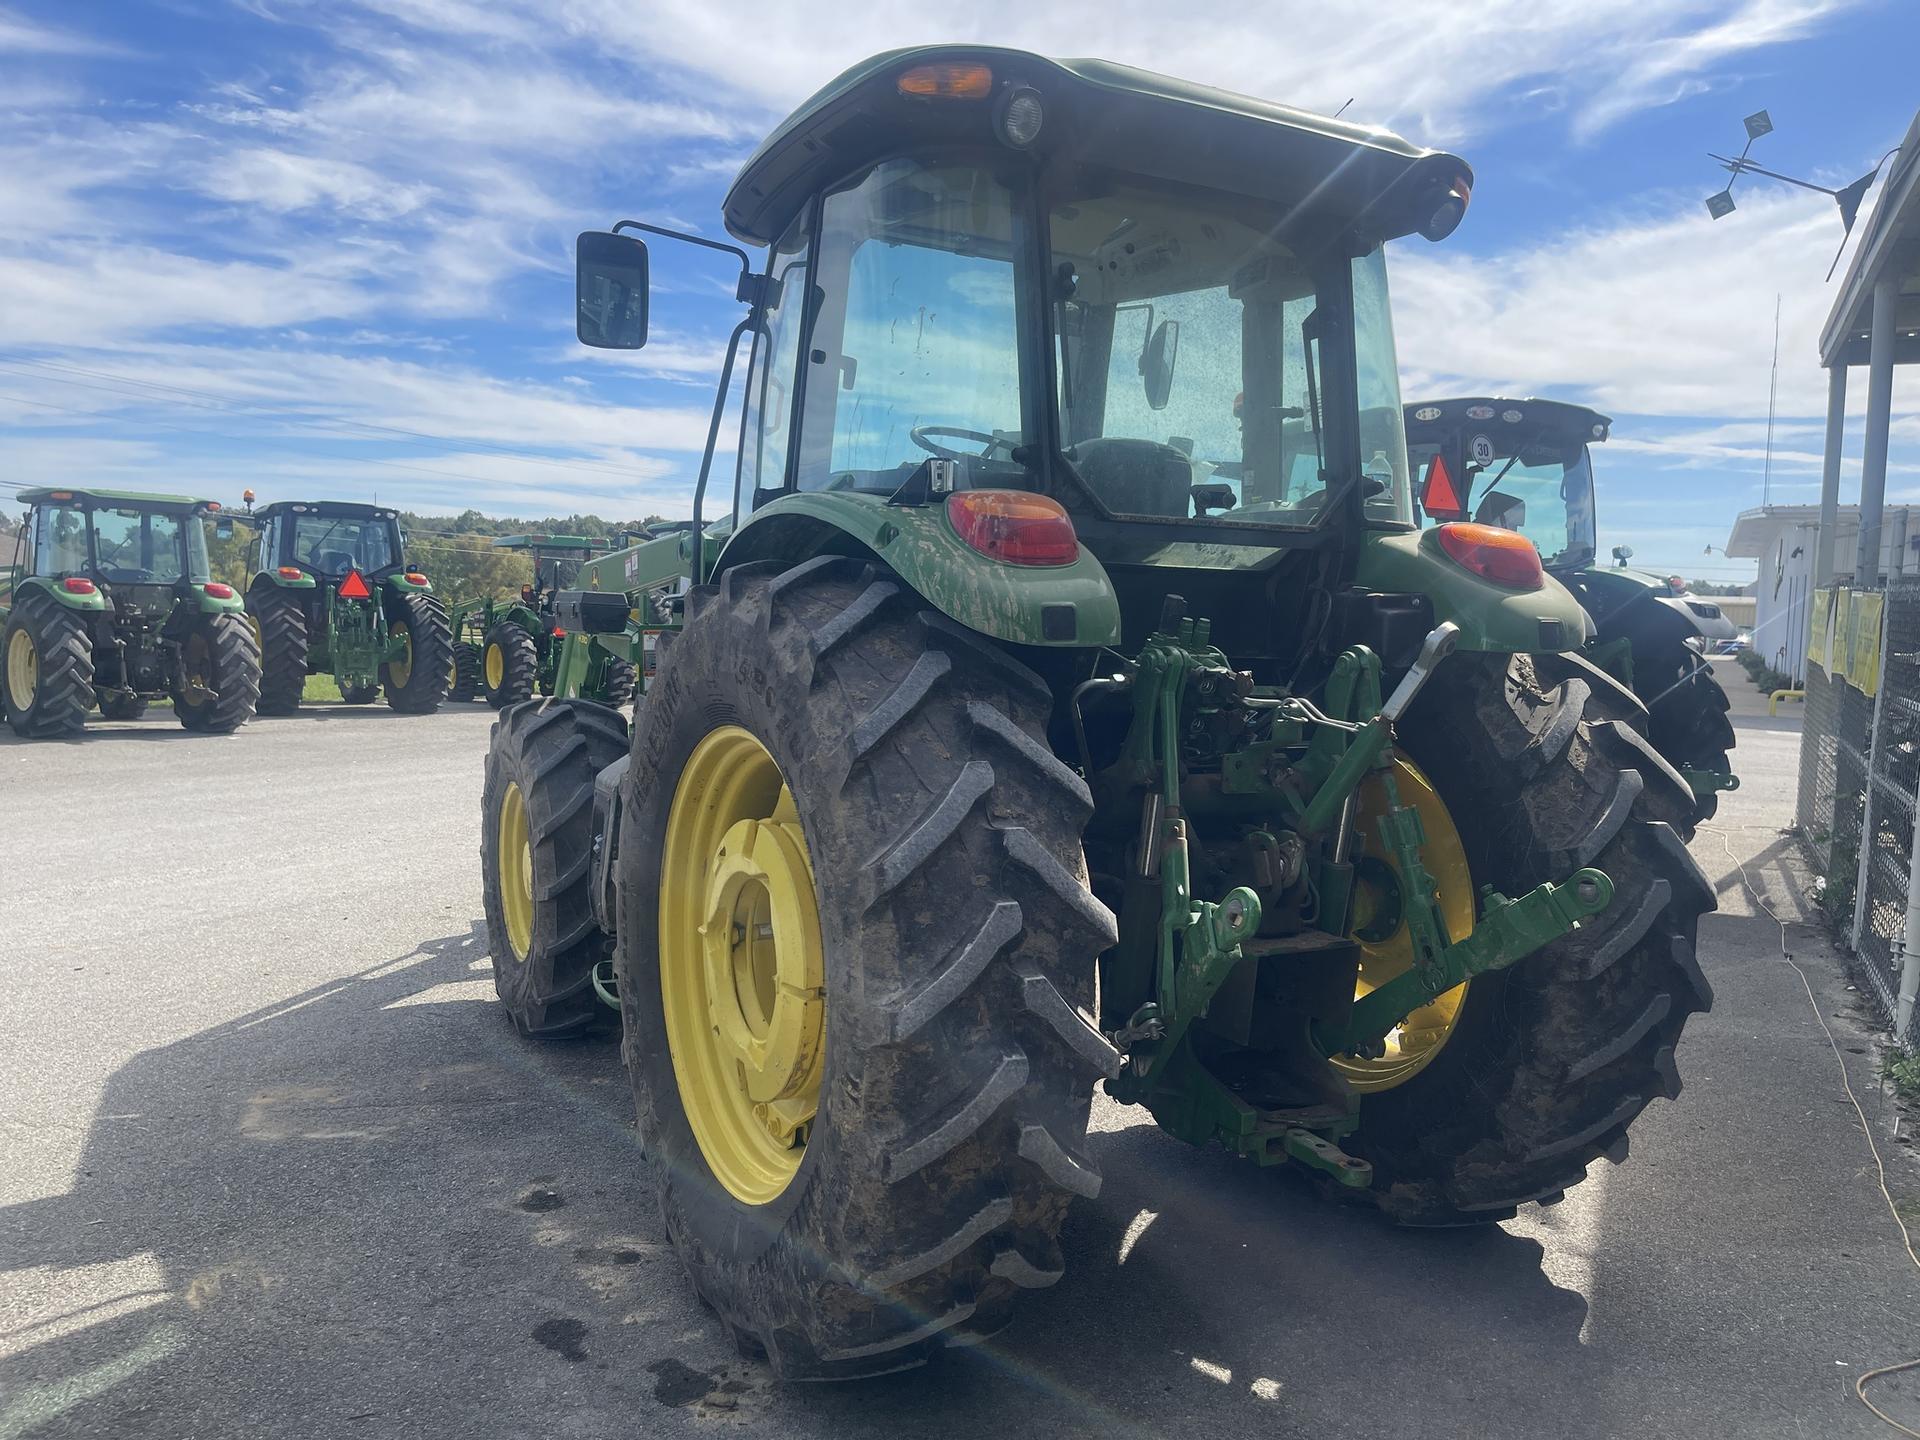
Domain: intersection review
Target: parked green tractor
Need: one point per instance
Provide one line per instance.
(508, 651)
(1527, 465)
(1030, 655)
(110, 603)
(332, 594)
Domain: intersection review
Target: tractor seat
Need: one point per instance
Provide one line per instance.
(1136, 477)
(333, 562)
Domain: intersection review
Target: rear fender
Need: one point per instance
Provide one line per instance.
(1491, 617)
(59, 594)
(1055, 605)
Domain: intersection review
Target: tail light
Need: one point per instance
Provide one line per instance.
(1014, 527)
(75, 585)
(558, 633)
(414, 577)
(218, 590)
(291, 572)
(1504, 557)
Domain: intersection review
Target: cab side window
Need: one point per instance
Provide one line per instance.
(763, 471)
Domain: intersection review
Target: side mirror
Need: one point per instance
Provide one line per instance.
(1502, 511)
(1157, 361)
(223, 529)
(1622, 554)
(610, 290)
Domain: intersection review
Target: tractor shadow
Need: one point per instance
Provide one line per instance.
(372, 1208)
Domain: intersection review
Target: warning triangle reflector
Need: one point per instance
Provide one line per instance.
(354, 588)
(1439, 496)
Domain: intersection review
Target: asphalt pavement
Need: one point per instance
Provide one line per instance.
(272, 1163)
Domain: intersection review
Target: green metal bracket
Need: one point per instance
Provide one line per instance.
(1708, 782)
(1508, 931)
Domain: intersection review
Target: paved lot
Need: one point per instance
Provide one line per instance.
(272, 1164)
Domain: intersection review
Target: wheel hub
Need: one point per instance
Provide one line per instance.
(400, 671)
(1379, 924)
(514, 843)
(742, 967)
(496, 666)
(23, 672)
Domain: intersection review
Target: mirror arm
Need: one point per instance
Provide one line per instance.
(746, 263)
(749, 321)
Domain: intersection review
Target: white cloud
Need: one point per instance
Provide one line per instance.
(1655, 314)
(1438, 71)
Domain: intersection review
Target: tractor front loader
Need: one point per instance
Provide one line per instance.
(112, 604)
(1070, 621)
(1527, 465)
(331, 593)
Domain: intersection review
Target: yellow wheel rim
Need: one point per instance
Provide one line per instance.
(496, 666)
(23, 672)
(1386, 950)
(400, 671)
(259, 639)
(742, 967)
(516, 873)
(453, 672)
(196, 667)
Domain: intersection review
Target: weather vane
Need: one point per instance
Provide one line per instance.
(1847, 197)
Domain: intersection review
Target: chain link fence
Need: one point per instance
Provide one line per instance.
(1860, 773)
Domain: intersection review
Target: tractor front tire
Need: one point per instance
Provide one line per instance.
(282, 626)
(955, 940)
(509, 665)
(122, 707)
(466, 672)
(1550, 1060)
(617, 684)
(536, 863)
(220, 653)
(1688, 713)
(46, 668)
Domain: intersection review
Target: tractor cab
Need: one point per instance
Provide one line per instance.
(556, 560)
(1520, 465)
(330, 539)
(142, 548)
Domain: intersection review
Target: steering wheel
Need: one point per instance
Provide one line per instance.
(921, 435)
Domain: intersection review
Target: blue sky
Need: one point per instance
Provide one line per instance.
(326, 247)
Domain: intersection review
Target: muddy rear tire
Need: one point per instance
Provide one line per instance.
(545, 942)
(46, 668)
(1688, 713)
(959, 941)
(617, 686)
(220, 647)
(1551, 1059)
(283, 649)
(417, 686)
(466, 672)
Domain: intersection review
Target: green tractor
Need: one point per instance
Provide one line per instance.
(1029, 655)
(111, 603)
(1527, 466)
(332, 594)
(508, 651)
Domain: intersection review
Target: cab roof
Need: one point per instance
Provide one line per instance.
(352, 509)
(1132, 120)
(1496, 414)
(548, 542)
(133, 499)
